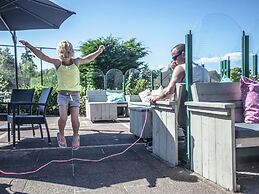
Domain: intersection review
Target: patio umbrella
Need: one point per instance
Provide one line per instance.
(30, 14)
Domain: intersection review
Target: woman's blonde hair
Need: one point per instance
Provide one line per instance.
(65, 46)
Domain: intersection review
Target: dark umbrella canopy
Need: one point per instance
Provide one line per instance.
(30, 14)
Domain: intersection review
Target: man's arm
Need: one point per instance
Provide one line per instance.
(40, 54)
(87, 59)
(178, 75)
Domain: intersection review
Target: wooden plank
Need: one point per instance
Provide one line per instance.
(113, 111)
(92, 112)
(171, 138)
(165, 142)
(196, 143)
(225, 152)
(155, 132)
(97, 109)
(170, 143)
(162, 135)
(87, 111)
(209, 92)
(209, 110)
(210, 125)
(165, 103)
(205, 149)
(247, 142)
(105, 112)
(218, 105)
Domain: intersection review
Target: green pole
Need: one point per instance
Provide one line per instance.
(245, 55)
(41, 71)
(188, 81)
(228, 67)
(255, 65)
(85, 83)
(123, 83)
(221, 69)
(105, 82)
(152, 81)
(225, 67)
(161, 78)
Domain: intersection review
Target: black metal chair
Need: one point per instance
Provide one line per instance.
(14, 118)
(17, 95)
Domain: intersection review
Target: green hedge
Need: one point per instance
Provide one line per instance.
(53, 106)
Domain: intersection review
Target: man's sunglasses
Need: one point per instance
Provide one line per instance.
(176, 56)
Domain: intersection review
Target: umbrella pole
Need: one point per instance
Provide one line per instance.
(15, 49)
(15, 58)
(41, 74)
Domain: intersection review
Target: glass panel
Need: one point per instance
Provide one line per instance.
(94, 80)
(114, 78)
(131, 77)
(254, 49)
(216, 38)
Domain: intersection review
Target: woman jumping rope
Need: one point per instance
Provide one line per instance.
(67, 69)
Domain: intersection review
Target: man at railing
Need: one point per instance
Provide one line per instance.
(200, 74)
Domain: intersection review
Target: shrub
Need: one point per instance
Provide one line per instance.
(135, 86)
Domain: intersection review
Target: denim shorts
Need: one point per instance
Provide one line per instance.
(69, 99)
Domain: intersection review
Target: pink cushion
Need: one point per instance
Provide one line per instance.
(250, 98)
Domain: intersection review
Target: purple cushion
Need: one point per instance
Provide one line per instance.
(250, 98)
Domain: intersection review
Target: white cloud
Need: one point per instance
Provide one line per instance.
(234, 56)
(204, 60)
(161, 66)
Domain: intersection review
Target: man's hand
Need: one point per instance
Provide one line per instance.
(153, 101)
(173, 64)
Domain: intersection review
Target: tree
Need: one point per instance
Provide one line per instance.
(27, 56)
(4, 86)
(7, 69)
(145, 72)
(27, 67)
(134, 86)
(235, 74)
(118, 54)
(49, 78)
(6, 60)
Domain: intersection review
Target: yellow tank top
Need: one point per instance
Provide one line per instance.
(68, 78)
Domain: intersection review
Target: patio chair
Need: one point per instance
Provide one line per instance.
(17, 95)
(14, 118)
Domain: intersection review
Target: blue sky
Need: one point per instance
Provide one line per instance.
(159, 24)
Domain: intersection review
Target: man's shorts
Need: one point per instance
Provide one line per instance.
(69, 99)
